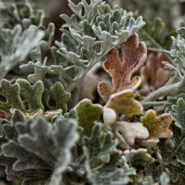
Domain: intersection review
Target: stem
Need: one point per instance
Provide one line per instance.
(156, 49)
(154, 103)
(157, 45)
(176, 149)
(164, 91)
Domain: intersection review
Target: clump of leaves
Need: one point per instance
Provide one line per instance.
(172, 150)
(27, 97)
(121, 96)
(49, 136)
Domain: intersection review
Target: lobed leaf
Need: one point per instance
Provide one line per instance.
(134, 54)
(87, 114)
(157, 125)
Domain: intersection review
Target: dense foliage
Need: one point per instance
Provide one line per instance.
(104, 105)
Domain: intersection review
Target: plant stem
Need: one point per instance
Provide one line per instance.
(157, 45)
(164, 91)
(156, 49)
(176, 149)
(153, 103)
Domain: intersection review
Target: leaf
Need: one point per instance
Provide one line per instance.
(134, 55)
(14, 48)
(109, 117)
(177, 54)
(95, 152)
(12, 14)
(178, 114)
(87, 114)
(124, 103)
(154, 31)
(164, 179)
(28, 98)
(96, 148)
(148, 180)
(50, 116)
(12, 95)
(138, 158)
(127, 133)
(172, 150)
(171, 101)
(86, 39)
(175, 84)
(32, 94)
(60, 96)
(153, 74)
(36, 151)
(157, 125)
(110, 174)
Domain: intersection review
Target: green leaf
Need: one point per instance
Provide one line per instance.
(154, 31)
(87, 114)
(173, 149)
(32, 94)
(36, 151)
(138, 158)
(171, 101)
(60, 96)
(107, 171)
(12, 95)
(27, 97)
(97, 149)
(88, 35)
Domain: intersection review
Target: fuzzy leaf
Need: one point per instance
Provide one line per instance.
(176, 83)
(124, 103)
(164, 179)
(154, 31)
(87, 114)
(87, 38)
(50, 116)
(157, 125)
(171, 101)
(32, 94)
(127, 133)
(12, 95)
(178, 114)
(36, 151)
(109, 116)
(60, 96)
(138, 158)
(14, 48)
(177, 53)
(106, 172)
(172, 150)
(12, 14)
(97, 149)
(109, 173)
(27, 98)
(134, 54)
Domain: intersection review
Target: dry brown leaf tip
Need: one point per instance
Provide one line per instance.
(134, 54)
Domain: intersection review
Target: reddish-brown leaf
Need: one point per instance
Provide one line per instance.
(134, 54)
